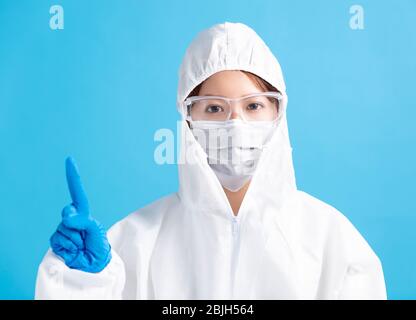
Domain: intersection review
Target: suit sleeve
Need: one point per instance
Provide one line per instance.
(363, 281)
(57, 281)
(362, 277)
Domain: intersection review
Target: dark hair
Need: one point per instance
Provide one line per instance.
(259, 82)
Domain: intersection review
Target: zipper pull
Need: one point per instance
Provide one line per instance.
(235, 226)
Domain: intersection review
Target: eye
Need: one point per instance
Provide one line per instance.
(214, 109)
(254, 106)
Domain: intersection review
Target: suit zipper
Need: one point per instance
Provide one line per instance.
(235, 227)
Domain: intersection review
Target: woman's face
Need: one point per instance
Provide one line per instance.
(230, 84)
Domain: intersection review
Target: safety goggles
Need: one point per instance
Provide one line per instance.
(264, 106)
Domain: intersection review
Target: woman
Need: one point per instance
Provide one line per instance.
(237, 228)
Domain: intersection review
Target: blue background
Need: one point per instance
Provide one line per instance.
(100, 88)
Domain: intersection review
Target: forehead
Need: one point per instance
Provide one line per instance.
(229, 83)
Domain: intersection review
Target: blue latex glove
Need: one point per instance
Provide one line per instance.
(80, 239)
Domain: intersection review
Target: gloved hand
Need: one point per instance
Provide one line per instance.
(80, 239)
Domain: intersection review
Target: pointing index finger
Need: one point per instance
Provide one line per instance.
(76, 189)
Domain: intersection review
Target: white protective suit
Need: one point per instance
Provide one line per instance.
(283, 244)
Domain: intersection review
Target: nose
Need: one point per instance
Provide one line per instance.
(235, 113)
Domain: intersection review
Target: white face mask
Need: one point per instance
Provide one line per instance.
(233, 148)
